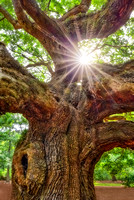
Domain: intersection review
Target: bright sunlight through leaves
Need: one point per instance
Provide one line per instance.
(85, 58)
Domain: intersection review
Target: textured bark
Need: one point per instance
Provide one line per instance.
(20, 91)
(55, 160)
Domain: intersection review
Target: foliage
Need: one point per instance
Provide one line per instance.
(129, 116)
(128, 180)
(119, 163)
(11, 127)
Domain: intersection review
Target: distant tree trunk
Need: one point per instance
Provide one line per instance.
(8, 167)
(114, 178)
(8, 174)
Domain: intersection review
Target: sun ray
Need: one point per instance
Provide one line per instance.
(103, 87)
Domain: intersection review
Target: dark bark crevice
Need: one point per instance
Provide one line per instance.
(24, 162)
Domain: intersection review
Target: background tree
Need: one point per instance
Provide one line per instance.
(11, 128)
(116, 164)
(66, 135)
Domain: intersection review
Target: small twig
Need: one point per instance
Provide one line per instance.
(47, 64)
(23, 56)
(14, 22)
(42, 62)
(2, 19)
(97, 47)
(35, 64)
(114, 46)
(48, 4)
(39, 57)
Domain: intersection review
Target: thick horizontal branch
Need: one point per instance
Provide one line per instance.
(21, 92)
(102, 23)
(112, 90)
(104, 137)
(14, 22)
(114, 134)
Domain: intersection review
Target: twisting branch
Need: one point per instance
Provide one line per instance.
(20, 91)
(47, 64)
(113, 134)
(102, 23)
(14, 22)
(113, 91)
(46, 23)
(106, 136)
(81, 8)
(25, 22)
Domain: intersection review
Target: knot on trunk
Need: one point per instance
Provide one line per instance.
(30, 168)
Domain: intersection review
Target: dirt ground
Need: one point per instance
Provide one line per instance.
(114, 193)
(5, 190)
(102, 193)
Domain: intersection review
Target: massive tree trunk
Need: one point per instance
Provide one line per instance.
(67, 136)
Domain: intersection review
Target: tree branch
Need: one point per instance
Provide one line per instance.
(81, 8)
(42, 62)
(21, 92)
(104, 137)
(102, 23)
(28, 25)
(114, 134)
(47, 64)
(48, 4)
(110, 45)
(2, 19)
(111, 92)
(47, 24)
(6, 15)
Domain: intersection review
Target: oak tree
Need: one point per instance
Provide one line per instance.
(66, 135)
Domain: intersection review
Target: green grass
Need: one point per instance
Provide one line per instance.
(107, 184)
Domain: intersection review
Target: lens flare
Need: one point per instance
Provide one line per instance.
(85, 58)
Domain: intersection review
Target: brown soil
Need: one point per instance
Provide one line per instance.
(5, 190)
(114, 193)
(103, 193)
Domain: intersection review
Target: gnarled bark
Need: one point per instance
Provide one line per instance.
(56, 159)
(66, 138)
(21, 92)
